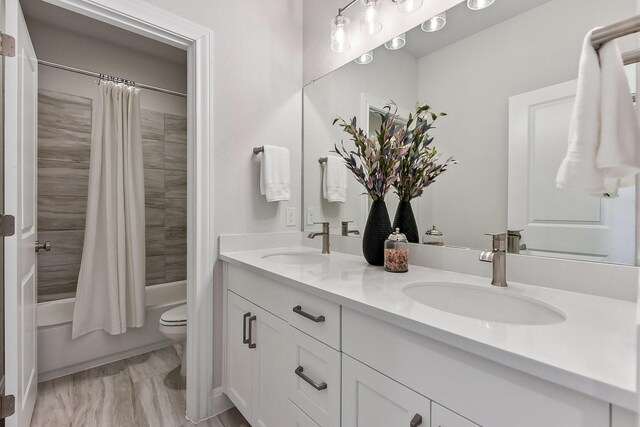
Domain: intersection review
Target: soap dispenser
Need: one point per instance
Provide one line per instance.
(396, 253)
(433, 237)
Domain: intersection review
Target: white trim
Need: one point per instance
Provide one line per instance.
(158, 24)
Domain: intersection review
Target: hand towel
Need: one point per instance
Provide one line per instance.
(603, 148)
(334, 180)
(275, 175)
(619, 150)
(578, 169)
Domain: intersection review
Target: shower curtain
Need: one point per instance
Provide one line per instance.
(110, 293)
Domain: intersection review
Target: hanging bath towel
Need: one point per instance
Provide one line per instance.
(110, 294)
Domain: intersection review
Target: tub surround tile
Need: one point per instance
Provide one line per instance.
(56, 178)
(155, 270)
(175, 184)
(152, 124)
(154, 183)
(176, 261)
(66, 111)
(61, 212)
(55, 259)
(175, 156)
(153, 153)
(62, 144)
(176, 213)
(175, 274)
(175, 128)
(154, 212)
(66, 247)
(175, 240)
(154, 241)
(53, 280)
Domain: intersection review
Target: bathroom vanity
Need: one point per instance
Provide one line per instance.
(326, 340)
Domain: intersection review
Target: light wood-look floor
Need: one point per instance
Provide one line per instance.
(145, 390)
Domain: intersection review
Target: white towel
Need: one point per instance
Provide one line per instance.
(334, 180)
(602, 139)
(275, 175)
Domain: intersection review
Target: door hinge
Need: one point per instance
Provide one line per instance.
(7, 225)
(7, 45)
(7, 406)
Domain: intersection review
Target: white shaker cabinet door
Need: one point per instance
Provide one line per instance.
(442, 417)
(239, 356)
(370, 399)
(297, 418)
(268, 335)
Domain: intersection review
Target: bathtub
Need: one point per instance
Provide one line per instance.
(59, 355)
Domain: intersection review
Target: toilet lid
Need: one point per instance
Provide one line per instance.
(177, 316)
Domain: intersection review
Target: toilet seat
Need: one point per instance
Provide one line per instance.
(176, 317)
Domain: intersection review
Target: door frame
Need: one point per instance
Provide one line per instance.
(161, 25)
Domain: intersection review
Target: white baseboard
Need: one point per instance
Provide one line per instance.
(68, 370)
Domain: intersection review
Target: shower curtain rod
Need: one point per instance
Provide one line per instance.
(99, 76)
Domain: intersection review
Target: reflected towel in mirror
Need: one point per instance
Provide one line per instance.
(334, 180)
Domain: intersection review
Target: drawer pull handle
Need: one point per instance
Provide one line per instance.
(416, 421)
(245, 340)
(251, 344)
(312, 383)
(317, 319)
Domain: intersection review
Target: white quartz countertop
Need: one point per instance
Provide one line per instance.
(593, 351)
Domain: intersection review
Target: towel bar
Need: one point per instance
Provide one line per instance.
(322, 160)
(258, 150)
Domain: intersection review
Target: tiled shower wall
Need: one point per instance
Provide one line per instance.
(64, 147)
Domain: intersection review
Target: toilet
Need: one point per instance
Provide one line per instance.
(173, 325)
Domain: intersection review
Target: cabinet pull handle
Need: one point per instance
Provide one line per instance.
(416, 421)
(317, 319)
(245, 340)
(312, 383)
(251, 345)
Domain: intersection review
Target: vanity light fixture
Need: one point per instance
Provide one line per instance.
(370, 23)
(340, 34)
(479, 4)
(434, 24)
(396, 42)
(365, 58)
(408, 6)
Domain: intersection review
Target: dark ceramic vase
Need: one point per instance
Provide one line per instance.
(406, 222)
(376, 232)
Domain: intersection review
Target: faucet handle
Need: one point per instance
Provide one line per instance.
(325, 225)
(499, 241)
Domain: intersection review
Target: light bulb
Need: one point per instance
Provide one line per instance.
(434, 24)
(408, 6)
(479, 4)
(396, 42)
(370, 23)
(340, 34)
(365, 58)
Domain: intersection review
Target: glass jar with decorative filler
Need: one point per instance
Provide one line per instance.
(433, 237)
(396, 253)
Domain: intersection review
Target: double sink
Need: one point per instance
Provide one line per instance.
(462, 299)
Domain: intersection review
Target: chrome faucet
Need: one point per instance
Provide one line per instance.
(497, 256)
(346, 231)
(325, 236)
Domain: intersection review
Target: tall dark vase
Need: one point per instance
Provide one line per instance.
(406, 222)
(376, 232)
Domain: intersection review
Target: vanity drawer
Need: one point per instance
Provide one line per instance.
(315, 316)
(313, 373)
(263, 292)
(297, 418)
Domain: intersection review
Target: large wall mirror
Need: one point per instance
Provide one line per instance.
(506, 77)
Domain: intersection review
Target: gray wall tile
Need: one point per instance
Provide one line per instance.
(155, 270)
(175, 156)
(175, 240)
(152, 124)
(176, 213)
(175, 261)
(66, 247)
(175, 184)
(154, 241)
(62, 144)
(56, 279)
(175, 274)
(154, 182)
(175, 128)
(154, 212)
(153, 153)
(61, 212)
(64, 111)
(58, 178)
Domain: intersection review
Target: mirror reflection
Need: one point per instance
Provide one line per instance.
(506, 78)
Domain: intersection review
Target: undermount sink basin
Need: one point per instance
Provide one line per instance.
(494, 305)
(298, 258)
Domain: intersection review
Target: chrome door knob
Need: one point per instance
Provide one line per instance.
(44, 246)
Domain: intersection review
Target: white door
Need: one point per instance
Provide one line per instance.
(269, 392)
(370, 399)
(239, 355)
(21, 80)
(559, 223)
